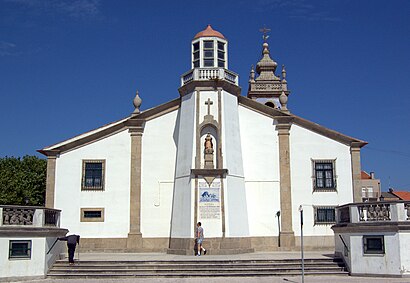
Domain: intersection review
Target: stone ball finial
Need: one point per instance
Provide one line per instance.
(137, 103)
(265, 48)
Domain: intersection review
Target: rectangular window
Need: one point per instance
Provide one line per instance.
(20, 249)
(324, 177)
(208, 44)
(209, 63)
(93, 175)
(324, 215)
(221, 46)
(92, 215)
(209, 53)
(195, 51)
(373, 244)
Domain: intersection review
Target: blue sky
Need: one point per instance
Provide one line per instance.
(69, 66)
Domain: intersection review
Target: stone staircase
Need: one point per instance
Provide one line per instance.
(196, 267)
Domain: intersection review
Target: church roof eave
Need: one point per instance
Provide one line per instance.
(280, 115)
(109, 129)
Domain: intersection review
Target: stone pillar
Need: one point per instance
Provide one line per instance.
(287, 236)
(356, 171)
(51, 180)
(134, 240)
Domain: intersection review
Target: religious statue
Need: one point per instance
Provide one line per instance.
(209, 147)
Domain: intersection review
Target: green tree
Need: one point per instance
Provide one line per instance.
(22, 180)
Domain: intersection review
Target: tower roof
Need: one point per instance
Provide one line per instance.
(209, 32)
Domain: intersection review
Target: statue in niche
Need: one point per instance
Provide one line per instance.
(209, 151)
(209, 147)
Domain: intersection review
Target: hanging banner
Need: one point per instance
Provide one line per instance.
(209, 200)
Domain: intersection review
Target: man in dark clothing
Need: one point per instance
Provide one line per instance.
(72, 241)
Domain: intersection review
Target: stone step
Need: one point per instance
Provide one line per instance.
(189, 268)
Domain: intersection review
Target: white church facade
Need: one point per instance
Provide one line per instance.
(240, 165)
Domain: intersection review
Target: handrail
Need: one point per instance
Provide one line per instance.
(343, 241)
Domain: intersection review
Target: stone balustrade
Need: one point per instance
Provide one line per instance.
(382, 211)
(29, 216)
(206, 74)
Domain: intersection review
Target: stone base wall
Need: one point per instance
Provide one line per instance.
(185, 246)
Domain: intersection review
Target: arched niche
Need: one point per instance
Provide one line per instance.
(213, 132)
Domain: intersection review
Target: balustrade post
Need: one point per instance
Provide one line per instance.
(398, 212)
(354, 214)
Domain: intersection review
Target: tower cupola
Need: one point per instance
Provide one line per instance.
(209, 62)
(209, 49)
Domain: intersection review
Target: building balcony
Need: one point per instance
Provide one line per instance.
(29, 216)
(372, 212)
(209, 74)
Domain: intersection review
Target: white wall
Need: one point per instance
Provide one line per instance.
(236, 208)
(404, 240)
(182, 206)
(395, 261)
(306, 145)
(261, 169)
(114, 199)
(388, 263)
(158, 170)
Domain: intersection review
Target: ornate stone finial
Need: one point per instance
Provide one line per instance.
(252, 75)
(266, 66)
(283, 73)
(283, 99)
(137, 103)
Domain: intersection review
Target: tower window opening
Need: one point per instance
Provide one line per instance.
(270, 104)
(221, 54)
(195, 54)
(208, 53)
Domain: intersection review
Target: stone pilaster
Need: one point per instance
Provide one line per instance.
(287, 236)
(356, 171)
(51, 179)
(136, 130)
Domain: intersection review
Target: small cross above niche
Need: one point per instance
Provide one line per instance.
(209, 102)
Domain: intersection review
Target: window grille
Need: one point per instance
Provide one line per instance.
(93, 175)
(324, 215)
(324, 177)
(373, 244)
(19, 249)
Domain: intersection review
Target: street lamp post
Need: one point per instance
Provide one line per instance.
(278, 215)
(301, 242)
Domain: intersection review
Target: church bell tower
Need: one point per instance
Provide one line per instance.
(209, 182)
(265, 86)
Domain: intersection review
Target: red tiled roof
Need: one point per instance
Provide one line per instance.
(402, 195)
(365, 175)
(209, 32)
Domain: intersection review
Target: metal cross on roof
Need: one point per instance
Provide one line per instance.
(265, 30)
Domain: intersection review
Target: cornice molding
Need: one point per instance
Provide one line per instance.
(209, 85)
(209, 172)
